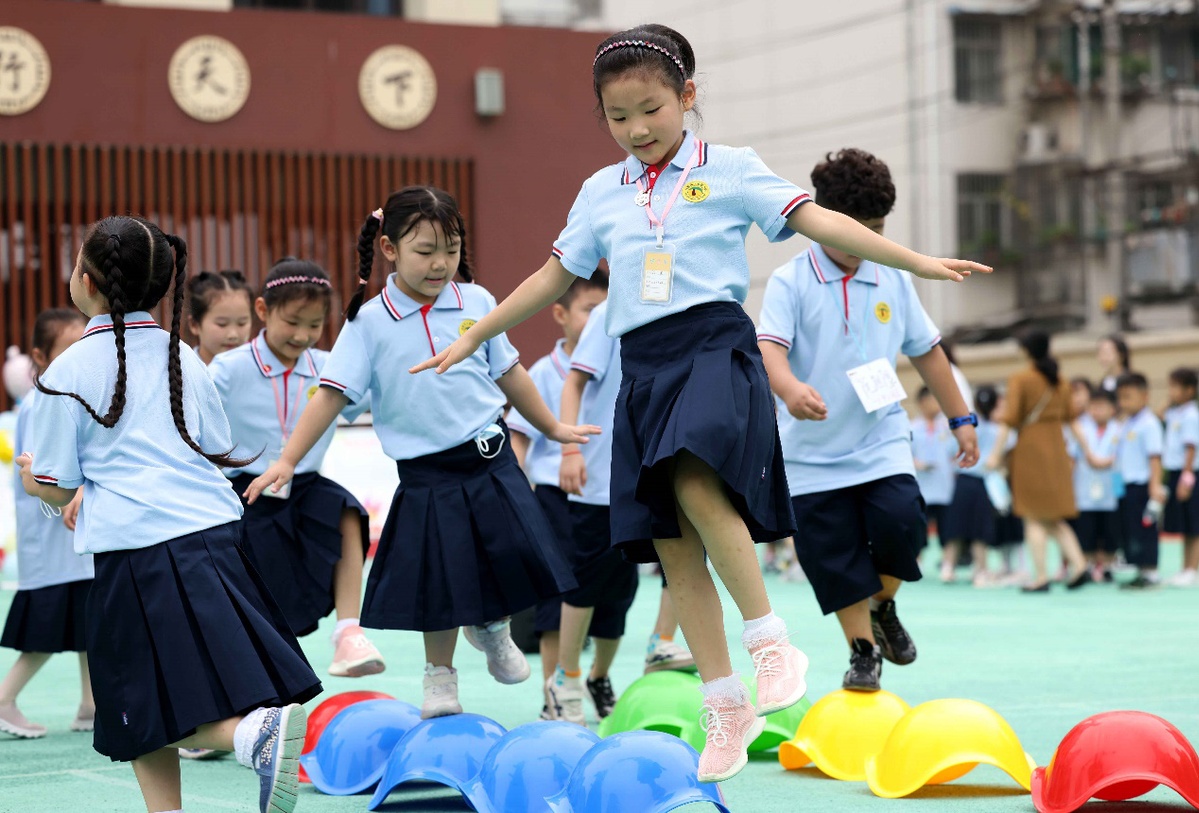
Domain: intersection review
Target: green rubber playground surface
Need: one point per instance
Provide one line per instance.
(1044, 662)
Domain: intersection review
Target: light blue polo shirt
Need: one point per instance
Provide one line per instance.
(934, 445)
(45, 548)
(729, 189)
(1182, 430)
(544, 457)
(1141, 438)
(417, 415)
(255, 386)
(142, 484)
(598, 355)
(805, 311)
(1095, 489)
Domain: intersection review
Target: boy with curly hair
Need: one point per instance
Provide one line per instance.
(832, 326)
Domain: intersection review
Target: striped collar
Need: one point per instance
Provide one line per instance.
(634, 168)
(559, 359)
(133, 321)
(828, 271)
(269, 365)
(400, 305)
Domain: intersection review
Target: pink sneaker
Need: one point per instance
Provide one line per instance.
(730, 727)
(779, 670)
(356, 656)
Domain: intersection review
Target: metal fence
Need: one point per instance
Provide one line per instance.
(235, 208)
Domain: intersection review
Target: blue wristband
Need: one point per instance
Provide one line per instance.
(965, 420)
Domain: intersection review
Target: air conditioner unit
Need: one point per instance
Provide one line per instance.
(1039, 143)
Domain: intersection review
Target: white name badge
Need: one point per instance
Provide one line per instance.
(877, 385)
(657, 275)
(281, 494)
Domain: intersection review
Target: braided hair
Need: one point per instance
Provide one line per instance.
(130, 262)
(402, 213)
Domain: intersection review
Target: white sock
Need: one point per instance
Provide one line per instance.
(245, 735)
(730, 688)
(342, 626)
(763, 630)
(874, 604)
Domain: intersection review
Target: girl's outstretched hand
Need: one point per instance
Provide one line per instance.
(274, 478)
(948, 269)
(463, 348)
(565, 433)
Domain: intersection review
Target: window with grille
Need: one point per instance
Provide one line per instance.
(978, 60)
(982, 216)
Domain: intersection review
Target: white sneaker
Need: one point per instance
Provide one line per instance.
(1184, 578)
(662, 655)
(505, 661)
(441, 692)
(565, 698)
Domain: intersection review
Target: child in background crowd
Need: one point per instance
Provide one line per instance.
(219, 310)
(1181, 463)
(48, 612)
(541, 458)
(933, 448)
(1098, 525)
(1140, 465)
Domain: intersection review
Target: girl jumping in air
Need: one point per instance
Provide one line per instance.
(696, 460)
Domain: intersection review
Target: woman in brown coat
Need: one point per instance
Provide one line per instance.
(1038, 408)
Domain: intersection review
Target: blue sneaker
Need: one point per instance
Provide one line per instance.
(275, 757)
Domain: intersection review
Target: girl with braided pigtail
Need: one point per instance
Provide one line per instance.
(176, 610)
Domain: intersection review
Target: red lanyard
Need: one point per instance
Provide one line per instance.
(659, 223)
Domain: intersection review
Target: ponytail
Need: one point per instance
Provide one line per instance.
(366, 260)
(1036, 344)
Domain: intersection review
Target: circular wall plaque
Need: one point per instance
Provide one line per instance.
(209, 78)
(24, 71)
(397, 87)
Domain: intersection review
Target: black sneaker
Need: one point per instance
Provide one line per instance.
(865, 667)
(1140, 582)
(602, 696)
(896, 644)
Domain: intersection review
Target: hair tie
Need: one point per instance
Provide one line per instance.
(615, 46)
(275, 283)
(363, 281)
(377, 215)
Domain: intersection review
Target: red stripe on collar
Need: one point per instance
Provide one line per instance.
(91, 331)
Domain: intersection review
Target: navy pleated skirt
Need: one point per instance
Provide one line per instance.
(695, 381)
(295, 544)
(971, 516)
(465, 542)
(184, 633)
(48, 619)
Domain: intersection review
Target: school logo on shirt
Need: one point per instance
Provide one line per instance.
(466, 325)
(882, 312)
(696, 191)
(312, 391)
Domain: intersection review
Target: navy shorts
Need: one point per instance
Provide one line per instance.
(1181, 517)
(1140, 541)
(607, 581)
(1098, 531)
(850, 536)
